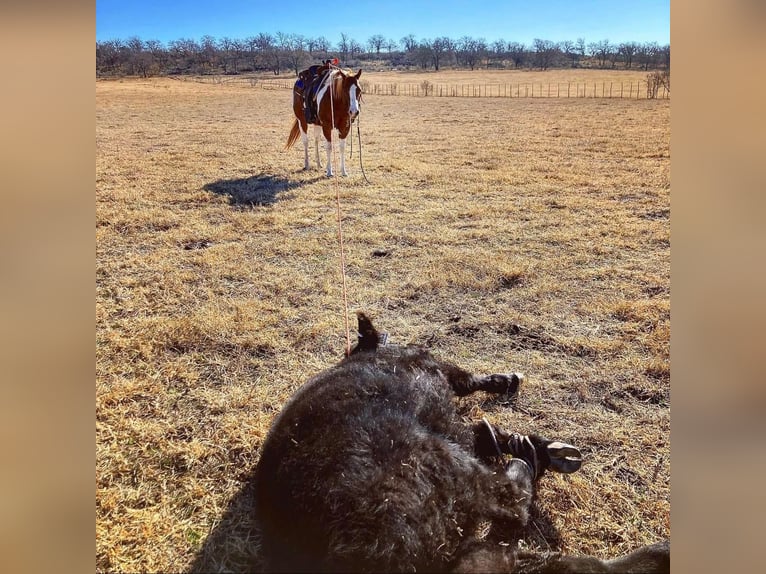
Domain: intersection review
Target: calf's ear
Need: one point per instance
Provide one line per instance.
(368, 336)
(359, 73)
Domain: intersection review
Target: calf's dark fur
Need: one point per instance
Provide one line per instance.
(369, 468)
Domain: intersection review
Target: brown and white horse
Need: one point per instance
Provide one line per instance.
(338, 99)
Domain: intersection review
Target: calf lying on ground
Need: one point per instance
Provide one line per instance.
(369, 468)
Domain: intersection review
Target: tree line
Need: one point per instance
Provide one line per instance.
(281, 53)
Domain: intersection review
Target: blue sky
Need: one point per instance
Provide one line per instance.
(517, 20)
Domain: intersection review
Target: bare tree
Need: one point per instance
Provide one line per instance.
(225, 53)
(496, 52)
(344, 46)
(628, 51)
(600, 51)
(569, 49)
(409, 43)
(108, 56)
(545, 51)
(282, 43)
(208, 54)
(423, 54)
(517, 52)
(472, 51)
(614, 55)
(295, 51)
(185, 55)
(664, 54)
(647, 54)
(322, 46)
(581, 48)
(438, 48)
(376, 43)
(391, 45)
(468, 52)
(355, 49)
(140, 60)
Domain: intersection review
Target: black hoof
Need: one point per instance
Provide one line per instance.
(516, 379)
(543, 454)
(563, 457)
(503, 383)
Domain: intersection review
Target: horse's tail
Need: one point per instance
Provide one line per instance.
(294, 135)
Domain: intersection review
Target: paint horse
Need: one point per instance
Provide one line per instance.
(338, 98)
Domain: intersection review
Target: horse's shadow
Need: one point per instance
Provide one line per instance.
(234, 544)
(257, 190)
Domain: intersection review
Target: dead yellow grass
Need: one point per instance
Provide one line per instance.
(527, 235)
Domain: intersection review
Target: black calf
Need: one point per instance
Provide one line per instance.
(369, 468)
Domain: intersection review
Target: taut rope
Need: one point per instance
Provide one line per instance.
(340, 222)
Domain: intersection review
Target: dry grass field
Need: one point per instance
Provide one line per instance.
(529, 235)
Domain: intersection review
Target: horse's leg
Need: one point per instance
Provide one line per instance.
(317, 135)
(327, 131)
(305, 140)
(342, 147)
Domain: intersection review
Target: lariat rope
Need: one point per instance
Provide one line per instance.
(340, 223)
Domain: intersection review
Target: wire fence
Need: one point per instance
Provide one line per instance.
(629, 90)
(637, 89)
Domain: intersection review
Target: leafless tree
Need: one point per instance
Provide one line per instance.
(409, 43)
(580, 47)
(600, 51)
(439, 47)
(344, 46)
(140, 59)
(321, 45)
(569, 49)
(517, 52)
(628, 51)
(208, 54)
(225, 53)
(355, 49)
(545, 52)
(664, 54)
(376, 43)
(647, 55)
(108, 56)
(468, 51)
(497, 52)
(423, 54)
(296, 52)
(614, 56)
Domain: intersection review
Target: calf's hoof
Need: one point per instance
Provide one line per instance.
(516, 380)
(542, 454)
(563, 457)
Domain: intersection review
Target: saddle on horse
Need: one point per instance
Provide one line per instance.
(310, 79)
